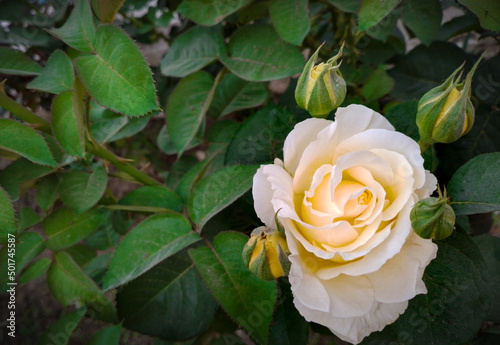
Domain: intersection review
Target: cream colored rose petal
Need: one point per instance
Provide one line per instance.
(298, 139)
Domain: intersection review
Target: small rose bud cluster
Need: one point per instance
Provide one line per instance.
(446, 113)
(433, 217)
(266, 253)
(321, 88)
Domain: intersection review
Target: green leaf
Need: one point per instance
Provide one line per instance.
(233, 94)
(81, 254)
(16, 63)
(57, 75)
(117, 76)
(67, 121)
(97, 268)
(46, 192)
(488, 12)
(65, 228)
(373, 11)
(425, 68)
(107, 336)
(288, 327)
(383, 29)
(349, 6)
(260, 138)
(377, 85)
(106, 10)
(490, 248)
(218, 190)
(165, 143)
(402, 117)
(243, 296)
(423, 18)
(19, 175)
(209, 12)
(34, 270)
(133, 126)
(105, 236)
(80, 190)
(192, 51)
(169, 301)
(25, 141)
(152, 241)
(27, 218)
(186, 108)
(455, 305)
(474, 188)
(257, 53)
(69, 284)
(78, 31)
(8, 222)
(61, 330)
(154, 196)
(292, 31)
(28, 246)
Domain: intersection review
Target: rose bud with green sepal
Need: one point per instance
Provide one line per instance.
(446, 113)
(266, 253)
(321, 88)
(433, 217)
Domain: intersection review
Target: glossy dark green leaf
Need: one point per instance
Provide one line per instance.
(150, 242)
(20, 174)
(154, 196)
(81, 190)
(16, 63)
(65, 228)
(260, 138)
(107, 336)
(233, 94)
(288, 327)
(490, 248)
(8, 222)
(46, 192)
(34, 270)
(218, 190)
(169, 301)
(292, 31)
(455, 305)
(78, 31)
(377, 85)
(257, 53)
(133, 126)
(425, 68)
(243, 296)
(488, 12)
(186, 108)
(27, 218)
(383, 29)
(192, 51)
(57, 75)
(62, 329)
(117, 76)
(402, 116)
(67, 120)
(474, 188)
(97, 268)
(25, 141)
(209, 12)
(423, 17)
(373, 11)
(166, 144)
(69, 284)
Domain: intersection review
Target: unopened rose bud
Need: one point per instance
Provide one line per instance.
(321, 88)
(266, 253)
(446, 113)
(433, 217)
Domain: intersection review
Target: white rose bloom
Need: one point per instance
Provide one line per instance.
(344, 193)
